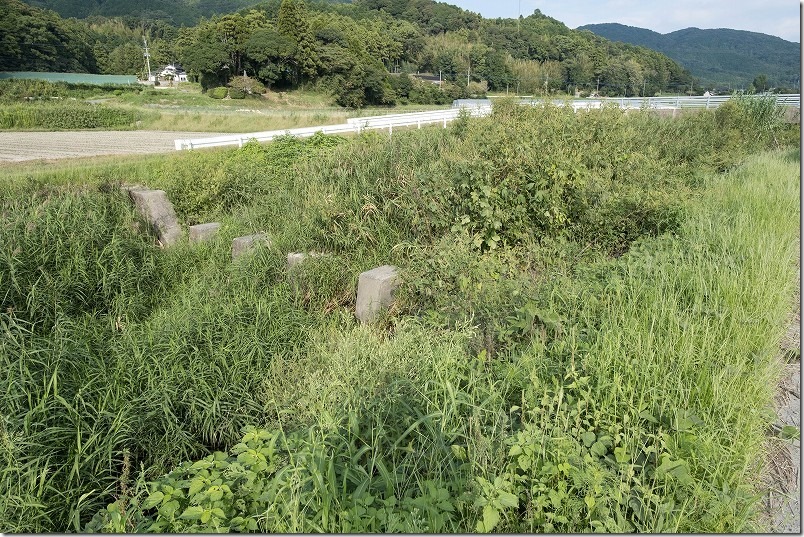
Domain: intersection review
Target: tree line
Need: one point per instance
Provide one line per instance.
(362, 52)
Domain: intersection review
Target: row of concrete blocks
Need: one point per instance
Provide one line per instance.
(375, 287)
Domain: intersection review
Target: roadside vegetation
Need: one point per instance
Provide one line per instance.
(43, 105)
(584, 339)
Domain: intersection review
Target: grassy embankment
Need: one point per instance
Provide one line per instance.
(58, 106)
(585, 338)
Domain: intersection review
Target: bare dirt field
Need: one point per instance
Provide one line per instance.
(23, 146)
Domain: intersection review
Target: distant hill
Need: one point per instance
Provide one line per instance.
(178, 12)
(719, 56)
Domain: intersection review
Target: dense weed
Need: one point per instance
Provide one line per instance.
(573, 347)
(72, 253)
(65, 116)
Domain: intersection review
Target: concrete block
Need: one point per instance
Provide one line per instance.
(128, 188)
(294, 258)
(243, 245)
(157, 210)
(375, 292)
(204, 232)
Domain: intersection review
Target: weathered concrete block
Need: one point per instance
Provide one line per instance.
(242, 245)
(204, 232)
(128, 188)
(375, 292)
(294, 258)
(157, 210)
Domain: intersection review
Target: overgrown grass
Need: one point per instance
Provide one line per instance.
(65, 116)
(605, 370)
(47, 105)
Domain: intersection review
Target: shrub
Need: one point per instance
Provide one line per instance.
(477, 89)
(218, 93)
(245, 85)
(237, 93)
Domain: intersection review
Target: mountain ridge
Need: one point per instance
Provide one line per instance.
(717, 56)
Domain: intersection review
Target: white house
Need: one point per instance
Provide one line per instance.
(172, 72)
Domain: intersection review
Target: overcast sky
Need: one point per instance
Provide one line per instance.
(775, 17)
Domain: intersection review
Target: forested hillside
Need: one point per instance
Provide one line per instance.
(175, 11)
(719, 56)
(362, 52)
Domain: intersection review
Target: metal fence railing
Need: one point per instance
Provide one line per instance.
(705, 102)
(477, 108)
(353, 125)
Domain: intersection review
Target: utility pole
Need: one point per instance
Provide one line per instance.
(147, 57)
(468, 70)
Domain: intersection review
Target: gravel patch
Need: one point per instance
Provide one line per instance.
(783, 472)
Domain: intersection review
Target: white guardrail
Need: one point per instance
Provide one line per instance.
(353, 125)
(359, 124)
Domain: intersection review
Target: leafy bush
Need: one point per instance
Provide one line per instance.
(453, 283)
(273, 482)
(521, 176)
(477, 89)
(237, 93)
(753, 121)
(422, 92)
(218, 93)
(245, 85)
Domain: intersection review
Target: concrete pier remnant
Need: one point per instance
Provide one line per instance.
(294, 258)
(157, 210)
(243, 245)
(375, 292)
(204, 232)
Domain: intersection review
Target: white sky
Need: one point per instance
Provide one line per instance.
(781, 18)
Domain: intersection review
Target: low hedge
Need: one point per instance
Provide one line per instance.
(218, 93)
(64, 116)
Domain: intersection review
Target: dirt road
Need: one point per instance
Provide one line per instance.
(22, 146)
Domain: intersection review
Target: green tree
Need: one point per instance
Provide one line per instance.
(127, 59)
(760, 83)
(292, 23)
(496, 71)
(270, 55)
(33, 39)
(203, 54)
(361, 81)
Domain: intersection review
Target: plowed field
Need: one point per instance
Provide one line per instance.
(21, 146)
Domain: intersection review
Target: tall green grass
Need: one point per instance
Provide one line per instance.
(65, 116)
(685, 354)
(566, 378)
(646, 412)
